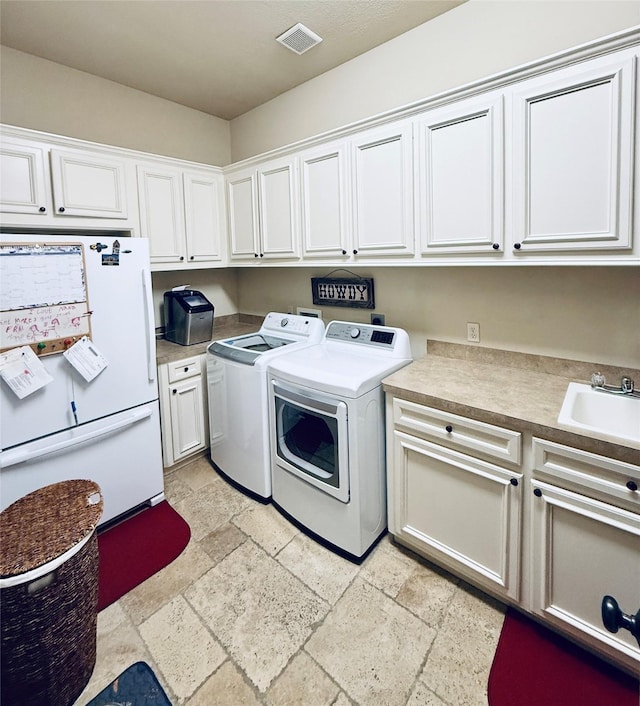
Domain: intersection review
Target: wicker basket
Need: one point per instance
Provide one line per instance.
(49, 594)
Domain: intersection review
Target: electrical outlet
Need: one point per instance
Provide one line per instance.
(473, 333)
(377, 319)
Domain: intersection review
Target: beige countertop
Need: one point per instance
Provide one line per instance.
(223, 327)
(516, 390)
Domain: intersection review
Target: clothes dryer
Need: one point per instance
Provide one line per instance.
(327, 427)
(237, 392)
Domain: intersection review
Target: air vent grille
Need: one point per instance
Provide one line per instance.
(299, 39)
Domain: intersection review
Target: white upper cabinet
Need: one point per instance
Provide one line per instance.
(181, 212)
(382, 177)
(325, 202)
(279, 209)
(24, 178)
(76, 184)
(162, 212)
(572, 164)
(460, 186)
(242, 213)
(204, 216)
(263, 211)
(88, 185)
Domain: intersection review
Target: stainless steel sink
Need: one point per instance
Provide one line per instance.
(615, 418)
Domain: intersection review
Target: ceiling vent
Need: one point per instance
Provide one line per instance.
(299, 39)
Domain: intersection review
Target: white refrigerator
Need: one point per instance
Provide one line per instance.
(78, 311)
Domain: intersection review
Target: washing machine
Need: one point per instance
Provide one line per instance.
(327, 427)
(237, 391)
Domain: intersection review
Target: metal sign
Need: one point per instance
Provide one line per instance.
(356, 293)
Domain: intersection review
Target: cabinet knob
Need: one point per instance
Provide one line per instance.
(61, 209)
(181, 258)
(517, 246)
(186, 370)
(174, 391)
(514, 481)
(537, 492)
(255, 254)
(496, 246)
(344, 252)
(613, 618)
(448, 428)
(355, 252)
(42, 209)
(192, 257)
(261, 254)
(632, 485)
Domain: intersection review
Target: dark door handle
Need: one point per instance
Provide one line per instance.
(614, 619)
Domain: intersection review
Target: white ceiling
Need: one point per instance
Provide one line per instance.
(217, 56)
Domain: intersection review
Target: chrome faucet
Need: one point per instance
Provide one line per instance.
(627, 387)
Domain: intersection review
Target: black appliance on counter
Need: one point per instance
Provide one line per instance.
(188, 317)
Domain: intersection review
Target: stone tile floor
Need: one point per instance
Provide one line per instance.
(254, 612)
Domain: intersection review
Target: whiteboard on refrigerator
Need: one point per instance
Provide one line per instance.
(43, 296)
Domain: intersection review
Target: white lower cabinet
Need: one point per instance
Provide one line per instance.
(183, 409)
(460, 511)
(585, 544)
(454, 500)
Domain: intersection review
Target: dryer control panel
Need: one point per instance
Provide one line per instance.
(362, 334)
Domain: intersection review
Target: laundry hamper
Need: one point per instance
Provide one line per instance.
(49, 594)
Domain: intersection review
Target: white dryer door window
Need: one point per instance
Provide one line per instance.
(311, 439)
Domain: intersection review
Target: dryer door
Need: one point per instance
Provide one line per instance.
(311, 438)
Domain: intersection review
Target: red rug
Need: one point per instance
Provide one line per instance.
(137, 548)
(534, 666)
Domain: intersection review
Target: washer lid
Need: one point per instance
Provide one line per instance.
(247, 349)
(277, 330)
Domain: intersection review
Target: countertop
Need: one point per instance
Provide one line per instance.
(223, 327)
(516, 390)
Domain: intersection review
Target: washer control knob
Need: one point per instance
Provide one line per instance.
(354, 332)
(284, 322)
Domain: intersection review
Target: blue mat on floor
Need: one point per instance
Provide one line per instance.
(137, 686)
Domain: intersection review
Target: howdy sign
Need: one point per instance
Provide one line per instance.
(357, 293)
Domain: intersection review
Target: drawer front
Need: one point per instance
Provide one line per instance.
(186, 368)
(456, 431)
(598, 476)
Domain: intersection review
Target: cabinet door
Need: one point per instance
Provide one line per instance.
(460, 184)
(188, 433)
(383, 191)
(242, 210)
(203, 203)
(325, 202)
(573, 157)
(88, 185)
(584, 549)
(279, 209)
(457, 511)
(162, 212)
(24, 178)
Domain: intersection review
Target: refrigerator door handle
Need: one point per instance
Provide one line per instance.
(14, 456)
(151, 331)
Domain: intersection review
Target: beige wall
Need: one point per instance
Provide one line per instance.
(43, 95)
(468, 43)
(581, 313)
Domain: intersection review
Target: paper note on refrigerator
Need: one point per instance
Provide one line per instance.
(23, 371)
(86, 359)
